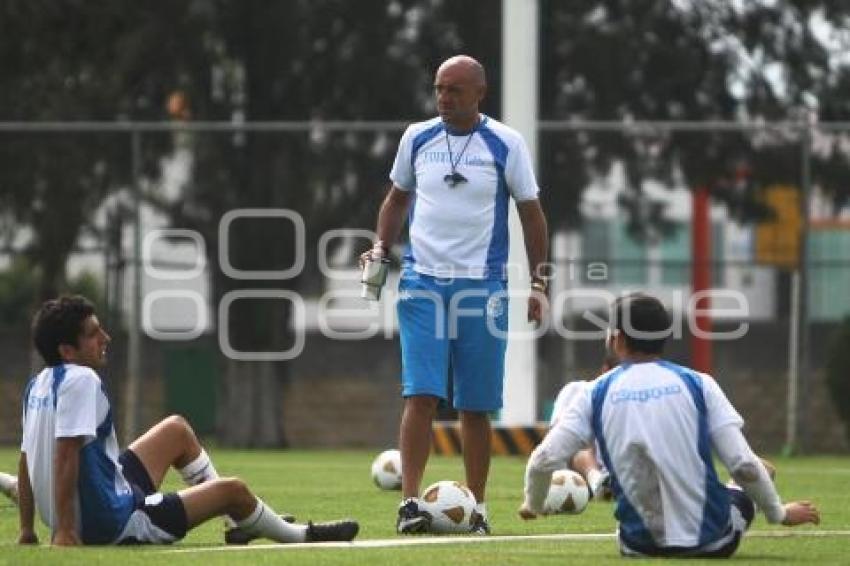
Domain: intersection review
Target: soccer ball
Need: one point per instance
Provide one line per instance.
(386, 470)
(450, 505)
(568, 493)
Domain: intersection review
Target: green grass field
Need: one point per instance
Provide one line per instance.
(326, 485)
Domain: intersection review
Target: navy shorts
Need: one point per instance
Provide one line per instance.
(164, 518)
(742, 511)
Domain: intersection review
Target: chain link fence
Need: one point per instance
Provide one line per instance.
(618, 198)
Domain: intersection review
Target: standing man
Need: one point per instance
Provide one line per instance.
(454, 176)
(71, 472)
(656, 424)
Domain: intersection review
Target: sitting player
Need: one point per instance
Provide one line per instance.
(656, 424)
(85, 492)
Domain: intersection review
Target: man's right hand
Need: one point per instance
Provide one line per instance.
(799, 513)
(364, 257)
(66, 538)
(377, 251)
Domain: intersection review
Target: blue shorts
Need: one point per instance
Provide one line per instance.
(457, 323)
(158, 517)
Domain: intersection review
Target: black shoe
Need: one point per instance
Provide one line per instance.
(344, 530)
(479, 525)
(238, 535)
(411, 519)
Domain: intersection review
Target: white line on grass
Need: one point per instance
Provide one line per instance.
(415, 541)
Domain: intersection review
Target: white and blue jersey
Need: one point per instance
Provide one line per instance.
(461, 231)
(69, 401)
(653, 423)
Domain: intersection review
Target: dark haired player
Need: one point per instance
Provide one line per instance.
(87, 492)
(656, 424)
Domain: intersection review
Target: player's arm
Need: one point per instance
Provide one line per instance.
(536, 235)
(390, 220)
(26, 504)
(559, 446)
(66, 470)
(749, 472)
(392, 214)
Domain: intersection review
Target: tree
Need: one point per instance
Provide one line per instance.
(668, 60)
(305, 61)
(75, 61)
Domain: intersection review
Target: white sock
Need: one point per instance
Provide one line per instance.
(594, 478)
(264, 522)
(481, 509)
(201, 470)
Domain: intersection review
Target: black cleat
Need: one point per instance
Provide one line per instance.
(411, 519)
(238, 535)
(344, 530)
(479, 525)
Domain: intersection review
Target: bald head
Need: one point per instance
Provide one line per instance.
(460, 85)
(466, 66)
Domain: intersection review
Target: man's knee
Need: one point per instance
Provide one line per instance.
(236, 489)
(177, 424)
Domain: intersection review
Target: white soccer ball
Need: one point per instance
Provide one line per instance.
(386, 469)
(450, 505)
(568, 493)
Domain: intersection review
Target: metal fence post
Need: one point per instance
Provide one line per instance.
(134, 338)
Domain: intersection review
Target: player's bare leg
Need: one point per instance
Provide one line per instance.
(171, 442)
(476, 436)
(414, 445)
(415, 441)
(230, 496)
(585, 463)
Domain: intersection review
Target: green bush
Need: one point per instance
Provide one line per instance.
(18, 288)
(838, 372)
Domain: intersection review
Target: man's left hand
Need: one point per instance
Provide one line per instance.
(538, 306)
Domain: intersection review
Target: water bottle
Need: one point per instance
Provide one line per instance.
(374, 275)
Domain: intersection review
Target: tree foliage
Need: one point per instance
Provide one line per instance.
(318, 60)
(685, 60)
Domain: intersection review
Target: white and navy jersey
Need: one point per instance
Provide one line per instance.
(68, 401)
(653, 423)
(462, 230)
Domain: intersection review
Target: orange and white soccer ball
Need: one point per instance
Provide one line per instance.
(386, 470)
(568, 493)
(450, 505)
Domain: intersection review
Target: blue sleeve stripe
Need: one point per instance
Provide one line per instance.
(715, 515)
(26, 397)
(422, 138)
(59, 373)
